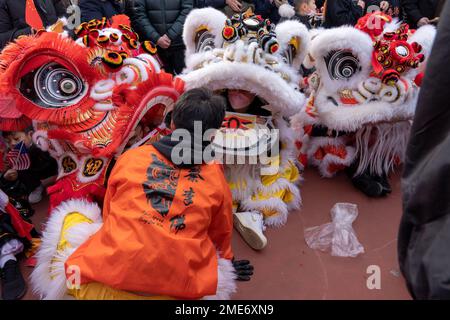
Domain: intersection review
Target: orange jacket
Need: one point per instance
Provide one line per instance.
(163, 227)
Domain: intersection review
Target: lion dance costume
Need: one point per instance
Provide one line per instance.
(85, 99)
(363, 95)
(250, 54)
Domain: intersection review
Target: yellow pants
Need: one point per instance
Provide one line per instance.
(98, 291)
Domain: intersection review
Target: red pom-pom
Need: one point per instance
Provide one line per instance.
(228, 32)
(274, 48)
(418, 79)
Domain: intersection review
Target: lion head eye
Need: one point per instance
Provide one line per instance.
(342, 64)
(52, 86)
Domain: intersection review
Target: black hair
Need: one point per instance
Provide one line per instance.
(29, 129)
(199, 104)
(299, 2)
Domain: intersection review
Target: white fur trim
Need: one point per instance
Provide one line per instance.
(243, 65)
(300, 120)
(279, 184)
(245, 179)
(247, 76)
(293, 29)
(353, 117)
(392, 26)
(286, 10)
(342, 38)
(425, 37)
(48, 278)
(287, 137)
(213, 19)
(276, 204)
(226, 283)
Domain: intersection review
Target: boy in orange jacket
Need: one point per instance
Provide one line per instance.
(166, 229)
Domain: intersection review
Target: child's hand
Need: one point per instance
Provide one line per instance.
(244, 270)
(10, 175)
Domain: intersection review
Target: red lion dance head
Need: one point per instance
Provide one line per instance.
(84, 97)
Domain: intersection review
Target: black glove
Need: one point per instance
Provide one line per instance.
(244, 270)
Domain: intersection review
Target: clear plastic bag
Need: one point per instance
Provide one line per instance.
(338, 235)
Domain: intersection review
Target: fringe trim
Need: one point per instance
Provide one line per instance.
(276, 204)
(389, 146)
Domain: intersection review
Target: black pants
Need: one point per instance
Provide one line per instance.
(172, 59)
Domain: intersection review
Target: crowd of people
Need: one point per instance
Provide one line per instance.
(161, 24)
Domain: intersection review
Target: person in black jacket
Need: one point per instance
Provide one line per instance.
(97, 9)
(268, 9)
(421, 12)
(424, 235)
(229, 7)
(218, 4)
(162, 23)
(50, 11)
(12, 17)
(343, 12)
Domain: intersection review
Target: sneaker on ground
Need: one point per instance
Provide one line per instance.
(250, 225)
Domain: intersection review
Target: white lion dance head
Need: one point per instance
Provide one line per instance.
(363, 95)
(249, 54)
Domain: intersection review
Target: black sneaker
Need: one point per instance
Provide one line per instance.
(13, 284)
(368, 185)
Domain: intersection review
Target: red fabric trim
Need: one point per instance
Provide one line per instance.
(19, 124)
(22, 227)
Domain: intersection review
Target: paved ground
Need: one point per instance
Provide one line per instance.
(288, 269)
